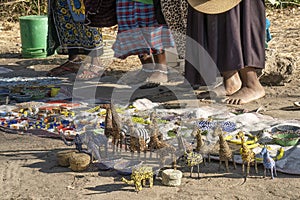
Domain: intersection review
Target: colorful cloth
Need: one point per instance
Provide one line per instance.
(68, 36)
(145, 1)
(138, 30)
(77, 10)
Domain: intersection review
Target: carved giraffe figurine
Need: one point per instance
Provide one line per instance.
(201, 147)
(112, 127)
(248, 156)
(225, 153)
(155, 135)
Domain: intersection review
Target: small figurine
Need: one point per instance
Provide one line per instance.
(139, 177)
(248, 156)
(193, 159)
(225, 152)
(268, 162)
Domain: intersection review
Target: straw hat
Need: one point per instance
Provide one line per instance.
(213, 6)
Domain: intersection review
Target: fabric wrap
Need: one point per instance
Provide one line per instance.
(100, 13)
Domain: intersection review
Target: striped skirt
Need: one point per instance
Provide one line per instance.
(138, 30)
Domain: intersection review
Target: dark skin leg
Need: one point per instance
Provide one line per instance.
(251, 88)
(231, 84)
(68, 67)
(161, 66)
(92, 69)
(154, 69)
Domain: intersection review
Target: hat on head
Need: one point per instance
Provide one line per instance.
(213, 6)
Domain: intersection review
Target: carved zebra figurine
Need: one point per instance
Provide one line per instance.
(127, 131)
(268, 162)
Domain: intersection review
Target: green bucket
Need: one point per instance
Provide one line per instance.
(34, 34)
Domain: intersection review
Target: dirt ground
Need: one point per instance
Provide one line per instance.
(29, 169)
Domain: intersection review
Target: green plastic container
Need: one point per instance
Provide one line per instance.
(34, 34)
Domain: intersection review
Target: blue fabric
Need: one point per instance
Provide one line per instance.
(77, 10)
(268, 34)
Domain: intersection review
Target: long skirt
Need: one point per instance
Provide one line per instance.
(175, 13)
(224, 42)
(68, 36)
(138, 30)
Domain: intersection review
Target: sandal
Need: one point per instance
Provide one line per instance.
(66, 68)
(90, 73)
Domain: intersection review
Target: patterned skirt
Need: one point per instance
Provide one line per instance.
(138, 30)
(68, 36)
(175, 13)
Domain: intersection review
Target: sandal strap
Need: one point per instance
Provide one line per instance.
(154, 70)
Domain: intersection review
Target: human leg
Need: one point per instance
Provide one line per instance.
(231, 84)
(159, 74)
(72, 65)
(251, 88)
(91, 69)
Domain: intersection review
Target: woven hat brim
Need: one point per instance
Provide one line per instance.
(213, 6)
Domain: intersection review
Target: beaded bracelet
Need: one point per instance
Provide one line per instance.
(226, 126)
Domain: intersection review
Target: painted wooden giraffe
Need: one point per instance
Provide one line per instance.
(248, 156)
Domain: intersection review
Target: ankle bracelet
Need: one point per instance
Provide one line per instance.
(155, 70)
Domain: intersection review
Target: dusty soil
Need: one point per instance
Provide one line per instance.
(29, 169)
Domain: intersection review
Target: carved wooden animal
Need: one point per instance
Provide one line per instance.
(155, 136)
(268, 163)
(225, 153)
(139, 177)
(189, 157)
(202, 147)
(138, 137)
(112, 127)
(193, 159)
(248, 156)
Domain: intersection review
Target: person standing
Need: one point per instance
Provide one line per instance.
(232, 32)
(69, 36)
(140, 34)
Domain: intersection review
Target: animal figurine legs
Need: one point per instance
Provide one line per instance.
(198, 170)
(248, 167)
(268, 162)
(227, 165)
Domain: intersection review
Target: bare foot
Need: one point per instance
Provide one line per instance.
(231, 84)
(158, 77)
(251, 89)
(245, 95)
